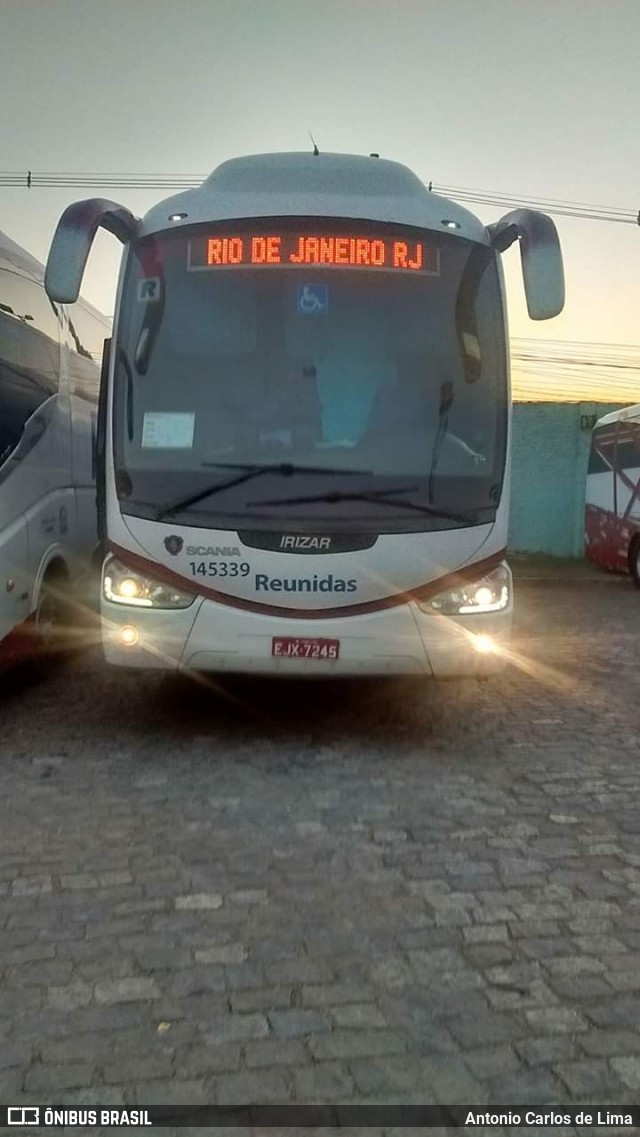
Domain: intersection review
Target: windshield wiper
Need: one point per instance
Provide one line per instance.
(384, 497)
(122, 358)
(446, 401)
(285, 469)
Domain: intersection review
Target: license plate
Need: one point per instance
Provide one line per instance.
(299, 647)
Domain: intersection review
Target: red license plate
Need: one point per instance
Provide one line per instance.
(299, 647)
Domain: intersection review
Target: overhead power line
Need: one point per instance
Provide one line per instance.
(584, 355)
(557, 344)
(575, 370)
(549, 205)
(589, 368)
(30, 179)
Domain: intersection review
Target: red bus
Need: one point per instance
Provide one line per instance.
(612, 510)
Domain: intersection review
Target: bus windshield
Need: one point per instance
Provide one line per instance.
(374, 351)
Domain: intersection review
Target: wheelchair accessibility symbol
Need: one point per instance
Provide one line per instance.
(313, 299)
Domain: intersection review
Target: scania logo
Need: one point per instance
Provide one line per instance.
(173, 544)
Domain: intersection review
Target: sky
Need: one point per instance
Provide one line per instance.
(526, 98)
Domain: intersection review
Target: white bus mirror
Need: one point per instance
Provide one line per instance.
(73, 239)
(542, 269)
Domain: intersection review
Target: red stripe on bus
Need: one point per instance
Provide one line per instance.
(422, 592)
(608, 537)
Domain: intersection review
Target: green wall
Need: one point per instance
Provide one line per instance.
(550, 454)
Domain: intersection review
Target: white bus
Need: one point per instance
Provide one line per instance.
(305, 439)
(49, 384)
(612, 509)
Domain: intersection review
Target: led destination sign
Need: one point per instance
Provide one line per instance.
(327, 250)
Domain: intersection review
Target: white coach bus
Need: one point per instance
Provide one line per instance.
(304, 440)
(49, 384)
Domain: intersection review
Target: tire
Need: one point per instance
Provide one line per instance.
(52, 619)
(634, 561)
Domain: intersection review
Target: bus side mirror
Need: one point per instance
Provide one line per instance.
(73, 239)
(542, 269)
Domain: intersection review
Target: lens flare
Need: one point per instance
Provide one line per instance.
(483, 596)
(484, 644)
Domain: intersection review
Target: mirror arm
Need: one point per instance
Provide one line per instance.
(502, 236)
(528, 225)
(120, 222)
(541, 258)
(73, 239)
(95, 211)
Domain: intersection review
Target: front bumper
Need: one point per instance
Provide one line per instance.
(402, 640)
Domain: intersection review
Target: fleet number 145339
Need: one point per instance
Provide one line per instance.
(219, 568)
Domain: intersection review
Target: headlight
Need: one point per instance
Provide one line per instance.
(491, 593)
(123, 585)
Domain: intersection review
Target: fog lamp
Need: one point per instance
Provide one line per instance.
(484, 644)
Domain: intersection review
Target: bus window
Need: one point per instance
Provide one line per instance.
(29, 354)
(628, 448)
(85, 342)
(602, 452)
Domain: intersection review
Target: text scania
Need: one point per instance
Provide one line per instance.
(213, 551)
(328, 583)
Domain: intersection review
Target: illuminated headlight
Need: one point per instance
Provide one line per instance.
(123, 585)
(491, 593)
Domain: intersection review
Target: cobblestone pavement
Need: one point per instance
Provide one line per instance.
(251, 891)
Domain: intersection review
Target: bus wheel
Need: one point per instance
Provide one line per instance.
(51, 618)
(634, 561)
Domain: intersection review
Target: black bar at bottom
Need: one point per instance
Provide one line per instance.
(310, 1116)
(325, 1116)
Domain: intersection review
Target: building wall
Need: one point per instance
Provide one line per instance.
(550, 454)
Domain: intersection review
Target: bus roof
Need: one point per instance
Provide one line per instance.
(620, 416)
(310, 185)
(13, 256)
(16, 257)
